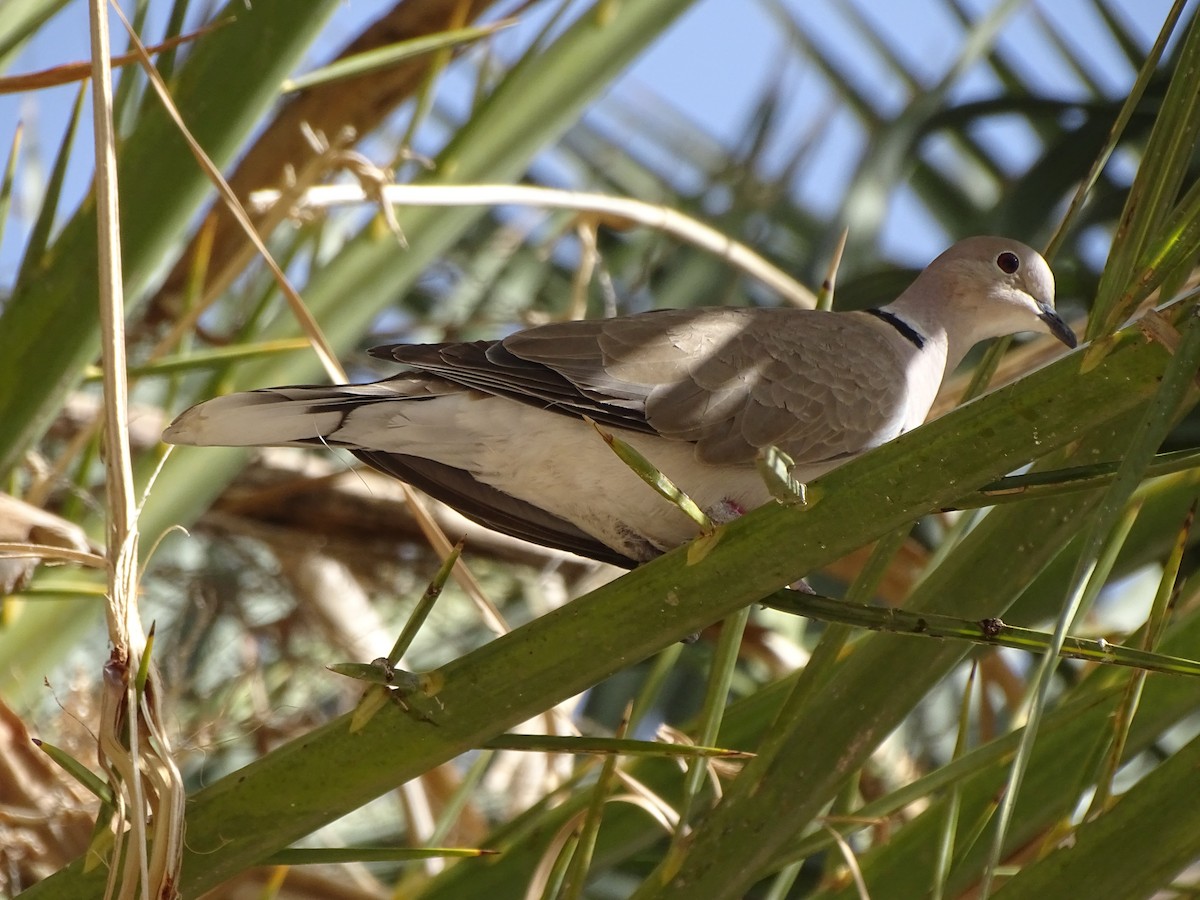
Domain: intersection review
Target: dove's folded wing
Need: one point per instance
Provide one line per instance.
(731, 381)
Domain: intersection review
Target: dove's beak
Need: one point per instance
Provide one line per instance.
(1057, 326)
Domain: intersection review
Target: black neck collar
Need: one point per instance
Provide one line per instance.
(909, 333)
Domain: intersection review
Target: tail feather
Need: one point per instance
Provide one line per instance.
(268, 418)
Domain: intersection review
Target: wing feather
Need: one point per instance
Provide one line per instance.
(731, 381)
(489, 507)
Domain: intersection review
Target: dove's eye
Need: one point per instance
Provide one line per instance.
(1008, 262)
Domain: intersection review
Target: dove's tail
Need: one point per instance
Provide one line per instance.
(275, 417)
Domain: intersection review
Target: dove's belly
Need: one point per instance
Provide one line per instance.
(562, 465)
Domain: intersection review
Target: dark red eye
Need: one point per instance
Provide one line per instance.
(1008, 262)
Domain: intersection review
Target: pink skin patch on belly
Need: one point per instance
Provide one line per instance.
(727, 510)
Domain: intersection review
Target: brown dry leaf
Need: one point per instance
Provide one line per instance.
(22, 523)
(45, 816)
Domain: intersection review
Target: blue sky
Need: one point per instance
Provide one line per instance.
(712, 66)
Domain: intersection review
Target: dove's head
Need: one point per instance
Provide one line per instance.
(992, 286)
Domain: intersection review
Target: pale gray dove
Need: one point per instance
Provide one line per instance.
(496, 429)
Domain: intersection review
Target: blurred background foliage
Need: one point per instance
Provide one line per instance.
(292, 560)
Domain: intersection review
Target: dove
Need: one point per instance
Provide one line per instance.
(500, 429)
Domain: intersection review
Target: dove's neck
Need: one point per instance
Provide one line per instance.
(942, 335)
(922, 346)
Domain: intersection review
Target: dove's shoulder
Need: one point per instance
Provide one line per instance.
(820, 386)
